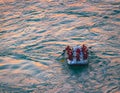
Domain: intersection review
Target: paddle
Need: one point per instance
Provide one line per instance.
(62, 55)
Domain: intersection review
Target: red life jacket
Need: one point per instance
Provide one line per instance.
(85, 52)
(69, 52)
(78, 54)
(70, 55)
(67, 49)
(78, 50)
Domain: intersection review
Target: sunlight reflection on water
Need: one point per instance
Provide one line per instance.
(34, 33)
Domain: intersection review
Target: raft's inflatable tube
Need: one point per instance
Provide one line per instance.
(74, 62)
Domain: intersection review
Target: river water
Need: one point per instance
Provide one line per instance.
(33, 34)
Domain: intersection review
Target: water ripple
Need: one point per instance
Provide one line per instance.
(34, 33)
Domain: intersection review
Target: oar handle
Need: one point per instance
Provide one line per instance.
(63, 53)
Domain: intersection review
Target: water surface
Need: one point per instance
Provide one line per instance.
(33, 34)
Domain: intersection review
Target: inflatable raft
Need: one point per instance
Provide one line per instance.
(77, 55)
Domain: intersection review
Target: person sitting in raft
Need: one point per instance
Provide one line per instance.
(69, 52)
(85, 52)
(78, 54)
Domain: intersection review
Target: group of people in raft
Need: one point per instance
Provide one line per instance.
(78, 52)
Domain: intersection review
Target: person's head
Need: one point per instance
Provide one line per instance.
(68, 47)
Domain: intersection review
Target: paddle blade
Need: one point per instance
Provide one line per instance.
(62, 60)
